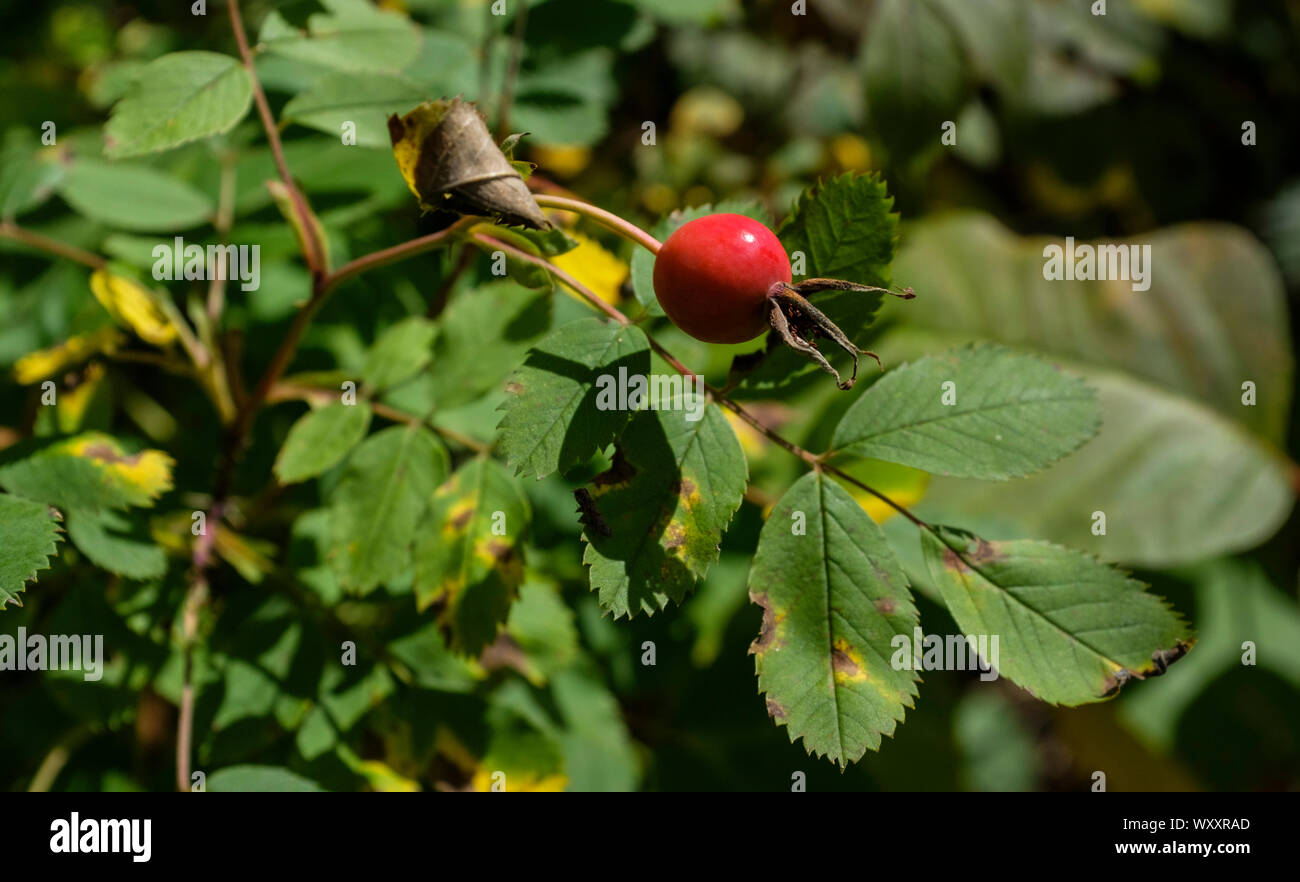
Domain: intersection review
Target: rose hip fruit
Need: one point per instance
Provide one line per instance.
(713, 276)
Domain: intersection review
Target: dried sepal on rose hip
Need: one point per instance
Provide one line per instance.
(725, 278)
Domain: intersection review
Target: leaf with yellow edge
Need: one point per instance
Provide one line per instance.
(74, 403)
(834, 601)
(517, 782)
(677, 479)
(1073, 629)
(468, 562)
(91, 471)
(383, 779)
(36, 366)
(133, 306)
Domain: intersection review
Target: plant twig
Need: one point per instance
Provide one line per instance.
(222, 223)
(289, 392)
(411, 248)
(52, 246)
(311, 246)
(606, 219)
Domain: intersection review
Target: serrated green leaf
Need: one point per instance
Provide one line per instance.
(469, 562)
(90, 472)
(1004, 415)
(834, 598)
(353, 36)
(28, 537)
(845, 229)
(1175, 482)
(320, 439)
(364, 99)
(111, 194)
(400, 352)
(483, 336)
(1071, 629)
(376, 507)
(99, 537)
(643, 262)
(975, 278)
(665, 503)
(259, 779)
(551, 420)
(178, 98)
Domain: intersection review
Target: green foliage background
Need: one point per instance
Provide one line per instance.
(1126, 127)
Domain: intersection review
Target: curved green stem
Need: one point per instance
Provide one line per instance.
(606, 219)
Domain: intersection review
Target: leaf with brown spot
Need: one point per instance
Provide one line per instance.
(833, 600)
(1070, 628)
(468, 562)
(663, 539)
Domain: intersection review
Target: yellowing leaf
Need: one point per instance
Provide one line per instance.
(133, 306)
(519, 782)
(146, 474)
(595, 267)
(383, 779)
(72, 404)
(562, 160)
(36, 366)
(904, 485)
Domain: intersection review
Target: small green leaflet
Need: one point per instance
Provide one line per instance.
(400, 352)
(975, 412)
(844, 228)
(468, 561)
(178, 98)
(482, 337)
(666, 501)
(110, 193)
(375, 508)
(28, 533)
(320, 439)
(551, 420)
(260, 779)
(352, 36)
(100, 537)
(363, 99)
(1071, 629)
(834, 598)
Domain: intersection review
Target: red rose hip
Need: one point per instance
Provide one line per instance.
(713, 275)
